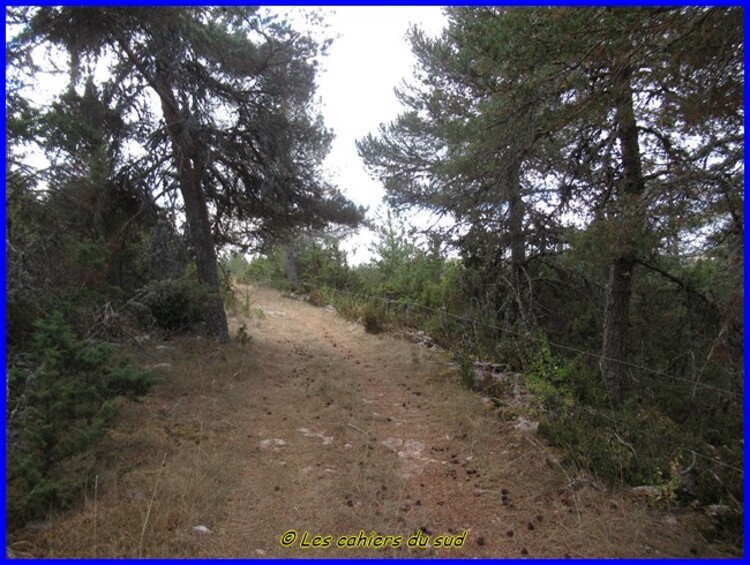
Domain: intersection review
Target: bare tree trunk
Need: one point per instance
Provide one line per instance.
(517, 244)
(617, 308)
(190, 174)
(206, 263)
(516, 211)
(616, 316)
(291, 265)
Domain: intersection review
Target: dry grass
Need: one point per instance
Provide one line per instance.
(186, 424)
(192, 453)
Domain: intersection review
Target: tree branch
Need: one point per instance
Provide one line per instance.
(678, 281)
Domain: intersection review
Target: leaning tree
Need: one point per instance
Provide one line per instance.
(223, 101)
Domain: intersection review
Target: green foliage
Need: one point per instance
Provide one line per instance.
(264, 269)
(92, 255)
(347, 306)
(633, 445)
(236, 266)
(592, 443)
(60, 400)
(242, 336)
(466, 372)
(321, 263)
(401, 269)
(560, 384)
(316, 298)
(373, 318)
(173, 305)
(318, 261)
(550, 380)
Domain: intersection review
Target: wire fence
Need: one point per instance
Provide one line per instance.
(536, 339)
(664, 441)
(621, 424)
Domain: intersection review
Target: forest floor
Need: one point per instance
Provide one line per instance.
(313, 426)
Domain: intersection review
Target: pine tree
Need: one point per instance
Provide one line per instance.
(237, 131)
(521, 119)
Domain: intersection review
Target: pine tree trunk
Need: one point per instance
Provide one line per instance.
(206, 264)
(517, 244)
(291, 265)
(190, 174)
(516, 211)
(196, 212)
(617, 308)
(616, 317)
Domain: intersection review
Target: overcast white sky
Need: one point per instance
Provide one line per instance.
(369, 58)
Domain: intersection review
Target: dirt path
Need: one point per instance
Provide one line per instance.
(322, 429)
(379, 437)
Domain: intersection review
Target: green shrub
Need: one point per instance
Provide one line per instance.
(561, 383)
(549, 379)
(316, 298)
(262, 269)
(347, 306)
(617, 445)
(373, 318)
(467, 372)
(172, 304)
(60, 399)
(630, 446)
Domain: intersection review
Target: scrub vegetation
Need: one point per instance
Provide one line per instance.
(582, 276)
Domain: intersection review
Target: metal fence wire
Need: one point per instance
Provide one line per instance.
(617, 422)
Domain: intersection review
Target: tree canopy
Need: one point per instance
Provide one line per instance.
(528, 125)
(208, 109)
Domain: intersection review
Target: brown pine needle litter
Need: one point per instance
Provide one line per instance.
(309, 424)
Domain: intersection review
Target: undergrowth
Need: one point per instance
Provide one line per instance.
(61, 398)
(550, 332)
(636, 443)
